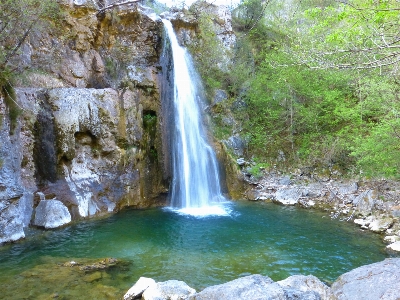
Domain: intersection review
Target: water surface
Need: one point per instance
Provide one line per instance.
(255, 238)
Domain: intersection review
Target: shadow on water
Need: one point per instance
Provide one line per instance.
(254, 238)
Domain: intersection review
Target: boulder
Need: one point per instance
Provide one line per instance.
(365, 202)
(376, 281)
(138, 288)
(381, 224)
(236, 144)
(285, 180)
(364, 223)
(255, 287)
(390, 239)
(346, 188)
(394, 247)
(51, 214)
(288, 196)
(168, 290)
(308, 283)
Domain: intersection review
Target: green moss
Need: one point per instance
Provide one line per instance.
(14, 111)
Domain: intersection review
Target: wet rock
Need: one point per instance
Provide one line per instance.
(308, 283)
(168, 290)
(51, 214)
(375, 281)
(138, 288)
(249, 287)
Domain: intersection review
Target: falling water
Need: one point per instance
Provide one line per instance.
(195, 187)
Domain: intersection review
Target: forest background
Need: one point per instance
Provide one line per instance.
(311, 84)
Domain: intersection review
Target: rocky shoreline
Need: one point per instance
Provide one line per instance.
(375, 281)
(373, 205)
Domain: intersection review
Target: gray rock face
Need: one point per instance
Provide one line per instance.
(375, 281)
(255, 287)
(236, 144)
(51, 214)
(168, 290)
(219, 96)
(86, 147)
(308, 283)
(16, 200)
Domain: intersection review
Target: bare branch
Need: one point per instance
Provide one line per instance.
(116, 4)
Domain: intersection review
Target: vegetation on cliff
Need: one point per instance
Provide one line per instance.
(313, 83)
(18, 19)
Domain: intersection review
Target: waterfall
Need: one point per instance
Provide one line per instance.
(195, 187)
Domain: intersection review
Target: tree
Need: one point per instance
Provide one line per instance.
(356, 34)
(17, 20)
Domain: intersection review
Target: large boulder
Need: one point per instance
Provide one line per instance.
(394, 246)
(376, 281)
(288, 196)
(308, 283)
(138, 288)
(168, 290)
(51, 214)
(365, 202)
(255, 287)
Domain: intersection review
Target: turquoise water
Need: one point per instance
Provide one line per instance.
(255, 238)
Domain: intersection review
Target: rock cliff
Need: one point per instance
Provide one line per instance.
(88, 132)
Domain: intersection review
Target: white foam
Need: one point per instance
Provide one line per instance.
(219, 210)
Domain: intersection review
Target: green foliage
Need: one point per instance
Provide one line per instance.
(111, 67)
(209, 54)
(378, 153)
(19, 19)
(14, 110)
(312, 90)
(248, 14)
(257, 170)
(158, 7)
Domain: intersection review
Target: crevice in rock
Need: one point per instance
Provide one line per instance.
(44, 151)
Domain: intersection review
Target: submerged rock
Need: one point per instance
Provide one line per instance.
(99, 265)
(51, 214)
